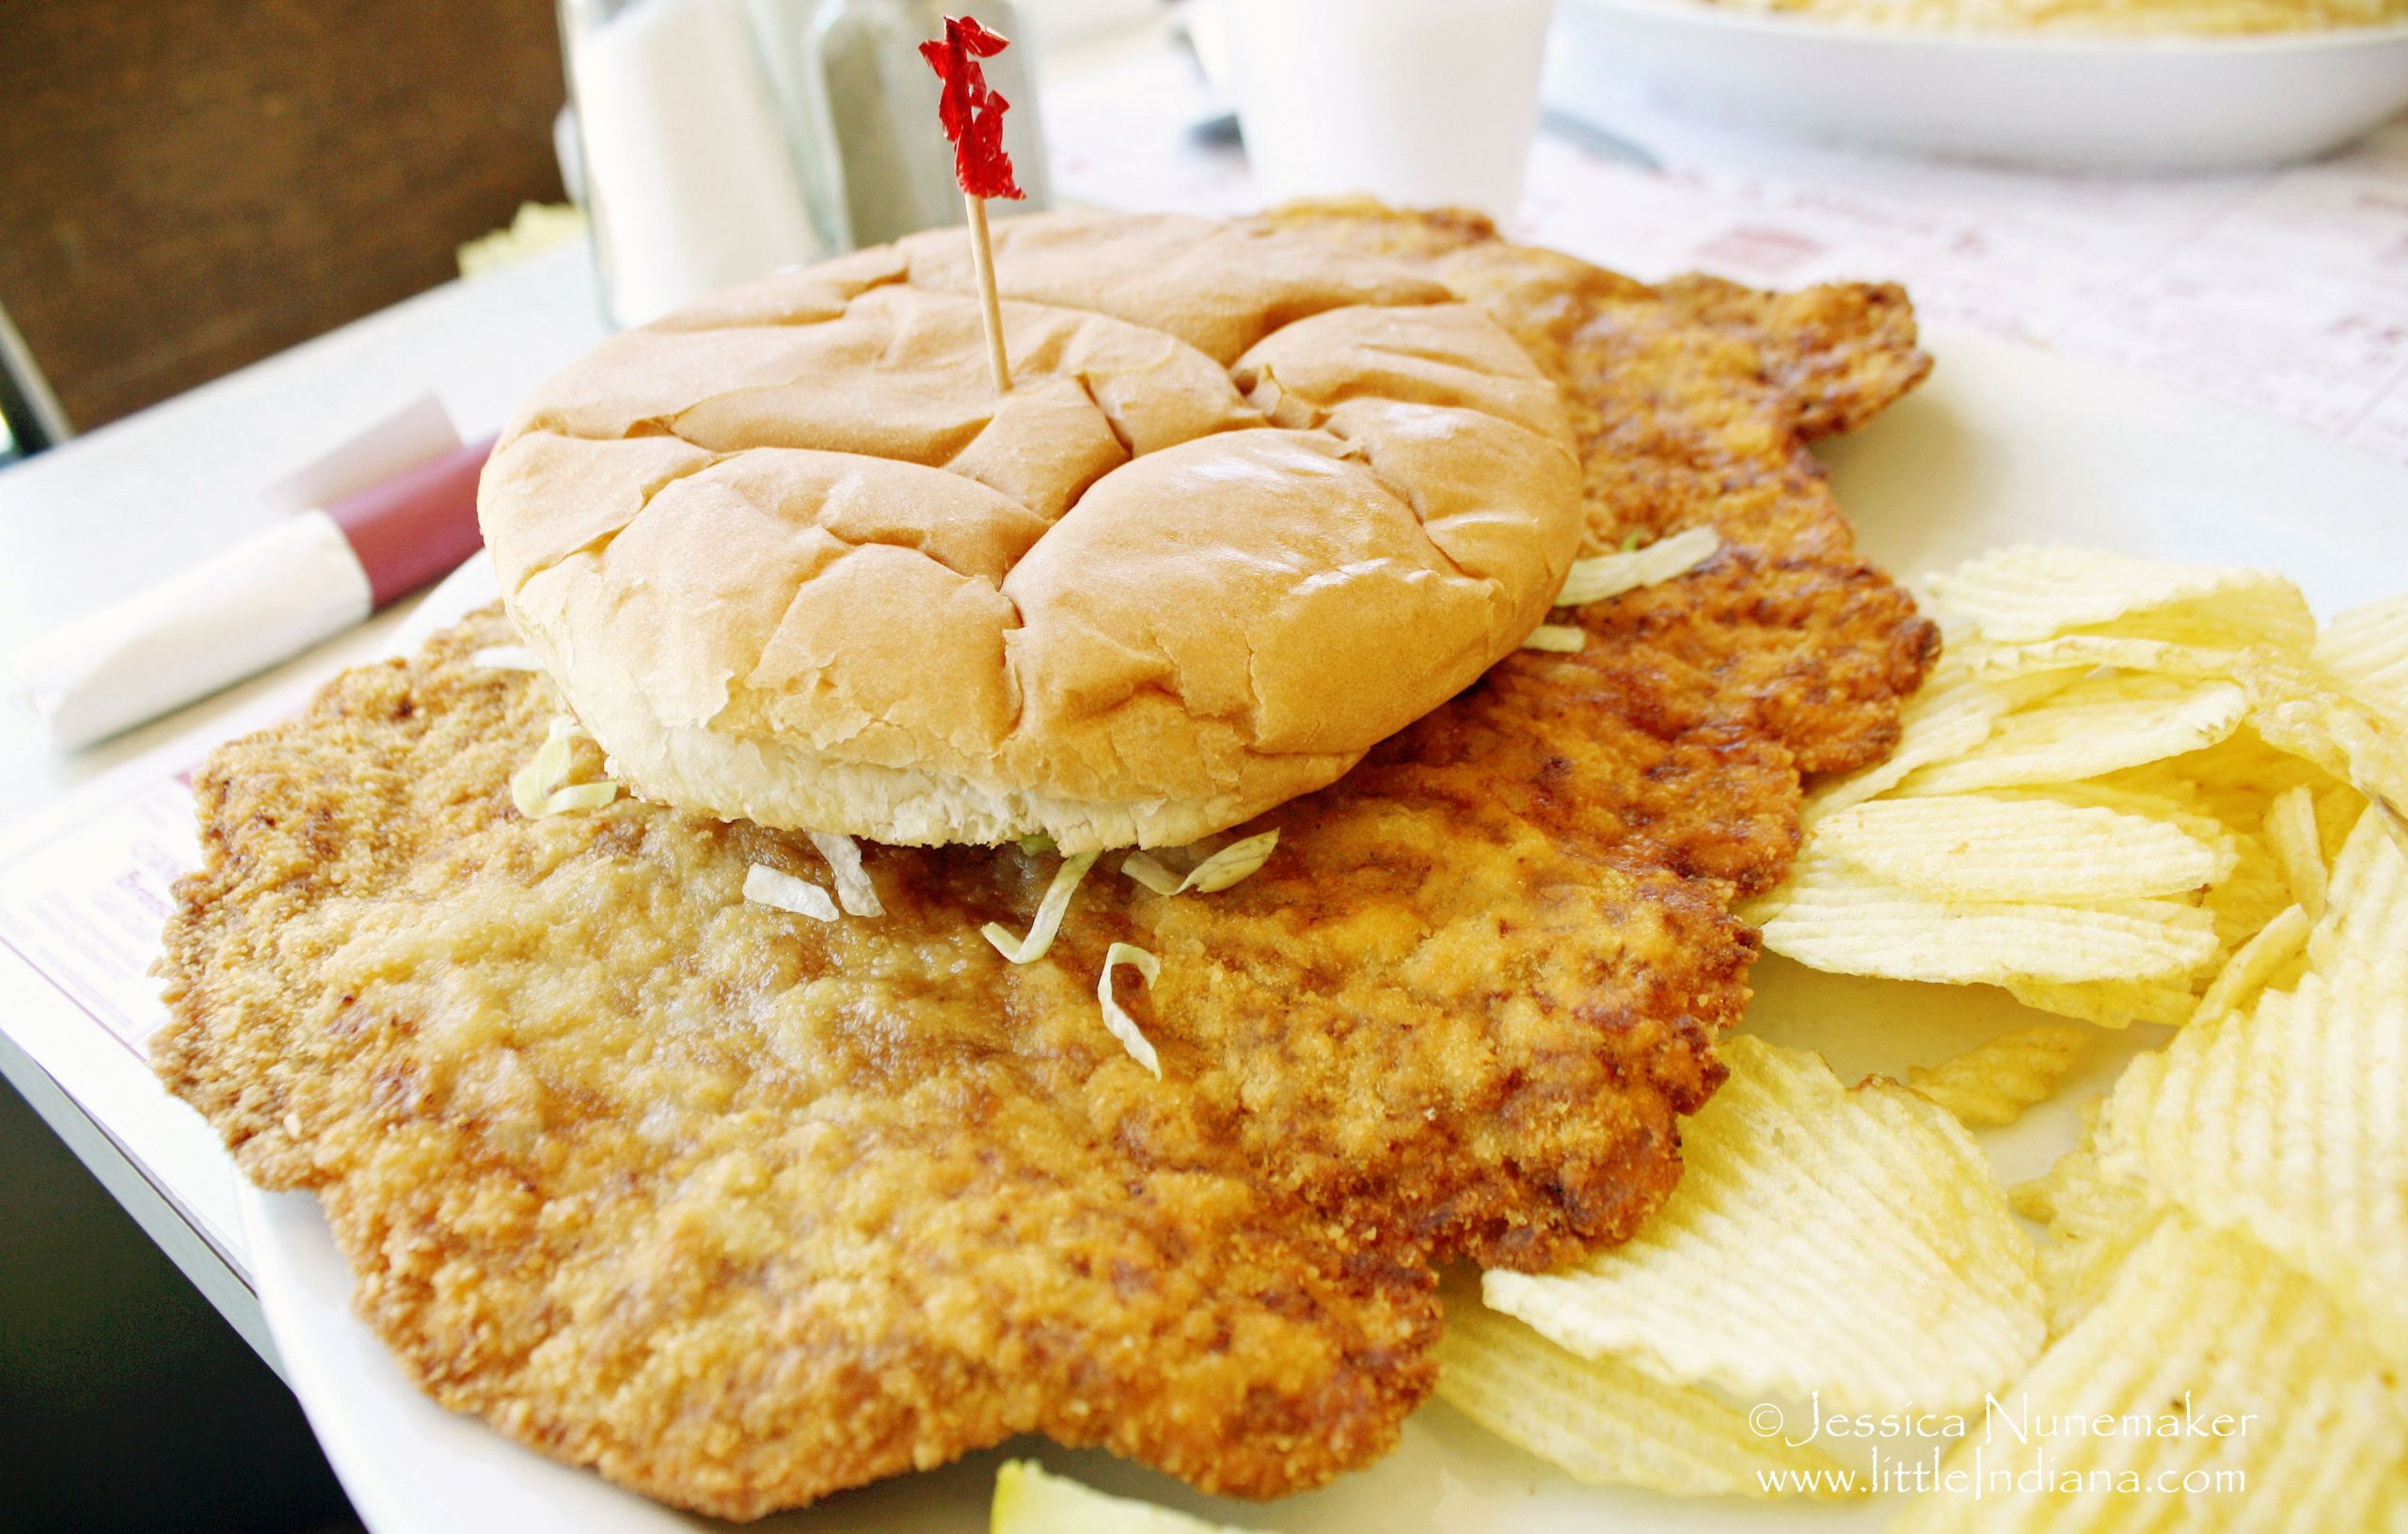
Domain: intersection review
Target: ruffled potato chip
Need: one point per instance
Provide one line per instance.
(2337, 809)
(2259, 615)
(2110, 1004)
(2365, 924)
(2367, 649)
(1953, 714)
(2300, 709)
(1605, 1422)
(2023, 846)
(1994, 1081)
(2234, 780)
(2096, 1220)
(2269, 952)
(2096, 726)
(2297, 843)
(1832, 915)
(2086, 652)
(1821, 1239)
(2209, 1389)
(2033, 591)
(2254, 893)
(2291, 1120)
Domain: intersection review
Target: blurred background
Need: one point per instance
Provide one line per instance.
(190, 185)
(194, 184)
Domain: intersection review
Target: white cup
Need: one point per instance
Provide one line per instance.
(1415, 101)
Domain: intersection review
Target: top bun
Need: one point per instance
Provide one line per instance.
(1252, 504)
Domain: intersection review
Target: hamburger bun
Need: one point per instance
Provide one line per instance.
(1252, 504)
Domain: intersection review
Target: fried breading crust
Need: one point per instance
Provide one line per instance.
(1694, 401)
(742, 1208)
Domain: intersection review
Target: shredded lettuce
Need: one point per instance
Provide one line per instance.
(1562, 638)
(1124, 1027)
(1050, 911)
(1610, 574)
(538, 788)
(530, 784)
(1148, 870)
(580, 796)
(782, 891)
(854, 889)
(1239, 860)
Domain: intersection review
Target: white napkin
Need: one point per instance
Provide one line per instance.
(263, 601)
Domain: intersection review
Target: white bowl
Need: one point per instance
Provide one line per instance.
(2049, 101)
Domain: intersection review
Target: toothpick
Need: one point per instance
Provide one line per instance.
(982, 257)
(972, 117)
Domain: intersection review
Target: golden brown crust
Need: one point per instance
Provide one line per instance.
(1693, 401)
(735, 1206)
(743, 1208)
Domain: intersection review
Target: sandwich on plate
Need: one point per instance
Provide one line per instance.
(923, 917)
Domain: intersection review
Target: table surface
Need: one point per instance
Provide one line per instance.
(109, 514)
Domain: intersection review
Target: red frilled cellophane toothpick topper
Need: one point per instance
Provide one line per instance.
(973, 116)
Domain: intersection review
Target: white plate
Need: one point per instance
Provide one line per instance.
(2059, 102)
(2004, 445)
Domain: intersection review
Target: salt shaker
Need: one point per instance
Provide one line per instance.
(695, 174)
(882, 101)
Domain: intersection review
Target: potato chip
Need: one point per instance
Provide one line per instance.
(2028, 846)
(2232, 780)
(2273, 613)
(2086, 652)
(2215, 794)
(1820, 1239)
(1834, 916)
(2292, 1120)
(2299, 709)
(2367, 649)
(1607, 1423)
(2298, 845)
(2337, 809)
(2254, 893)
(2032, 592)
(2209, 1389)
(2095, 1221)
(2110, 1004)
(1993, 1083)
(2258, 963)
(2176, 806)
(1951, 716)
(2391, 1513)
(2094, 726)
(2366, 908)
(1029, 1502)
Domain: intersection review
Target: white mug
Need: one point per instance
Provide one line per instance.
(1416, 101)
